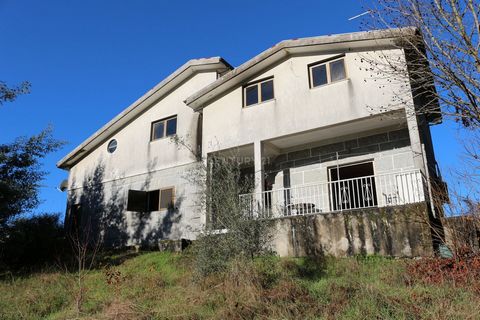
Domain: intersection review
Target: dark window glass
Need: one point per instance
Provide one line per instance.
(337, 70)
(267, 90)
(153, 199)
(166, 198)
(112, 146)
(171, 126)
(143, 201)
(251, 95)
(319, 75)
(158, 130)
(137, 201)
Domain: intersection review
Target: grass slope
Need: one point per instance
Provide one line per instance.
(163, 286)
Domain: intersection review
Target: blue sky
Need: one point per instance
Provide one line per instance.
(88, 60)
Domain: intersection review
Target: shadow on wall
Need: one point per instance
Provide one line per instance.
(100, 215)
(95, 216)
(149, 228)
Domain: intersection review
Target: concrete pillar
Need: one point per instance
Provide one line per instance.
(415, 140)
(258, 154)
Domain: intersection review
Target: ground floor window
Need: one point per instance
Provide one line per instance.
(147, 201)
(352, 186)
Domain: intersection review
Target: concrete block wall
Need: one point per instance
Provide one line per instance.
(352, 147)
(390, 151)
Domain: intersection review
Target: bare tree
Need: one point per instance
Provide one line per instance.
(442, 46)
(85, 246)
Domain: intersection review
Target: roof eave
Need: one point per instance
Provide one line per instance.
(140, 105)
(377, 38)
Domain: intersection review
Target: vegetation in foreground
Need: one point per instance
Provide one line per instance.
(164, 286)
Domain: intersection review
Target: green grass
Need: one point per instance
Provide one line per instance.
(163, 286)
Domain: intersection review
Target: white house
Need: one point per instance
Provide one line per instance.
(326, 135)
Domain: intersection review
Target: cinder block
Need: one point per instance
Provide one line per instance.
(329, 148)
(402, 161)
(399, 134)
(394, 144)
(377, 138)
(304, 162)
(302, 154)
(351, 144)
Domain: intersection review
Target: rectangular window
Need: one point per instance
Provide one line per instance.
(167, 198)
(143, 201)
(163, 128)
(327, 72)
(258, 92)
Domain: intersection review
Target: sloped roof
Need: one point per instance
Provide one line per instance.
(328, 44)
(142, 104)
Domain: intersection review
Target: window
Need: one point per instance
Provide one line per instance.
(112, 146)
(163, 128)
(258, 92)
(167, 198)
(147, 201)
(327, 72)
(143, 201)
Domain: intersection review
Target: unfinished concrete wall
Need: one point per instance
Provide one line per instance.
(400, 231)
(355, 146)
(462, 232)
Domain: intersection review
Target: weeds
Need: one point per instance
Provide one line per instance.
(160, 286)
(463, 271)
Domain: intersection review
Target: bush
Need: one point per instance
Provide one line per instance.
(32, 242)
(462, 271)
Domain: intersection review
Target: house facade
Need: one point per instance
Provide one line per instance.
(326, 138)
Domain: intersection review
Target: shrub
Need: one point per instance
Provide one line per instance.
(33, 242)
(462, 271)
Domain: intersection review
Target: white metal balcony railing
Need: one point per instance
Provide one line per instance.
(364, 192)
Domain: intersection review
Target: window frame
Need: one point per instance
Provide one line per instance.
(160, 197)
(257, 83)
(327, 63)
(165, 121)
(112, 141)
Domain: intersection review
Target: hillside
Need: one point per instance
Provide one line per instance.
(163, 286)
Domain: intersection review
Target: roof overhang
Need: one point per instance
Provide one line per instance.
(340, 43)
(142, 104)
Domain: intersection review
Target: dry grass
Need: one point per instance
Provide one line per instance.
(163, 286)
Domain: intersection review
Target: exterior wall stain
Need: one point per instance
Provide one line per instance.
(396, 231)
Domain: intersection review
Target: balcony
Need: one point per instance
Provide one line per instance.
(384, 190)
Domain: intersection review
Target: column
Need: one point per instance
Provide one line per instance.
(258, 154)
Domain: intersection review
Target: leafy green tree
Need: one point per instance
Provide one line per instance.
(20, 169)
(21, 174)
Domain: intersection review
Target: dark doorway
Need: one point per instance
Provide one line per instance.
(352, 186)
